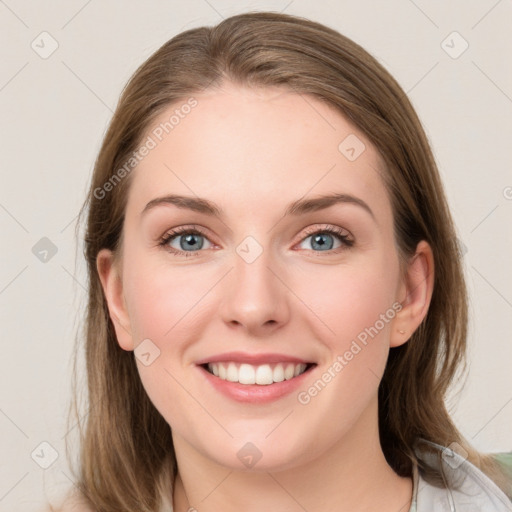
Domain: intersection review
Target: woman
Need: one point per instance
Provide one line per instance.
(276, 302)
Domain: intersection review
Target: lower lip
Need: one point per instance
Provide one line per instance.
(255, 393)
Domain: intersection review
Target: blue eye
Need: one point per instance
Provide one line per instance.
(323, 240)
(187, 241)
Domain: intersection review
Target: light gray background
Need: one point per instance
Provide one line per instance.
(54, 112)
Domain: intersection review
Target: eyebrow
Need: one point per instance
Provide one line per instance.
(299, 207)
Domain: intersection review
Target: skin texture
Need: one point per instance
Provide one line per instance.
(253, 152)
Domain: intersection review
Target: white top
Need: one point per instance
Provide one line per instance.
(470, 489)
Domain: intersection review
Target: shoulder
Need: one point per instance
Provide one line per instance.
(467, 488)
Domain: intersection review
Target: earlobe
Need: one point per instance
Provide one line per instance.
(113, 290)
(415, 294)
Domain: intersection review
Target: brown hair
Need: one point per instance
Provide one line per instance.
(127, 459)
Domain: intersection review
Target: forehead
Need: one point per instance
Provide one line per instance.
(256, 147)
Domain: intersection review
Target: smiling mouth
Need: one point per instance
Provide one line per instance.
(263, 374)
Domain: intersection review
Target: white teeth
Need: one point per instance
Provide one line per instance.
(264, 374)
(296, 371)
(278, 374)
(289, 371)
(246, 374)
(250, 374)
(232, 373)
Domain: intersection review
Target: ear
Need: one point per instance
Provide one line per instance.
(415, 293)
(113, 289)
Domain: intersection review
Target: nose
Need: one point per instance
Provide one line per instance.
(255, 297)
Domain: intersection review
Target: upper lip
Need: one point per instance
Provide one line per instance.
(255, 359)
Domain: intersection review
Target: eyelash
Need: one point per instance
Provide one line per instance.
(183, 230)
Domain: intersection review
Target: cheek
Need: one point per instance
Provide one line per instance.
(355, 309)
(165, 307)
(354, 306)
(162, 299)
(349, 299)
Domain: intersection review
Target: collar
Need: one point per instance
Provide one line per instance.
(467, 488)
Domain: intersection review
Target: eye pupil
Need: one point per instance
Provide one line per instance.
(320, 242)
(191, 241)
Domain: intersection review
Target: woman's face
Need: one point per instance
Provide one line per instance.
(271, 270)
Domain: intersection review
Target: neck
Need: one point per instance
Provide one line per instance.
(353, 475)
